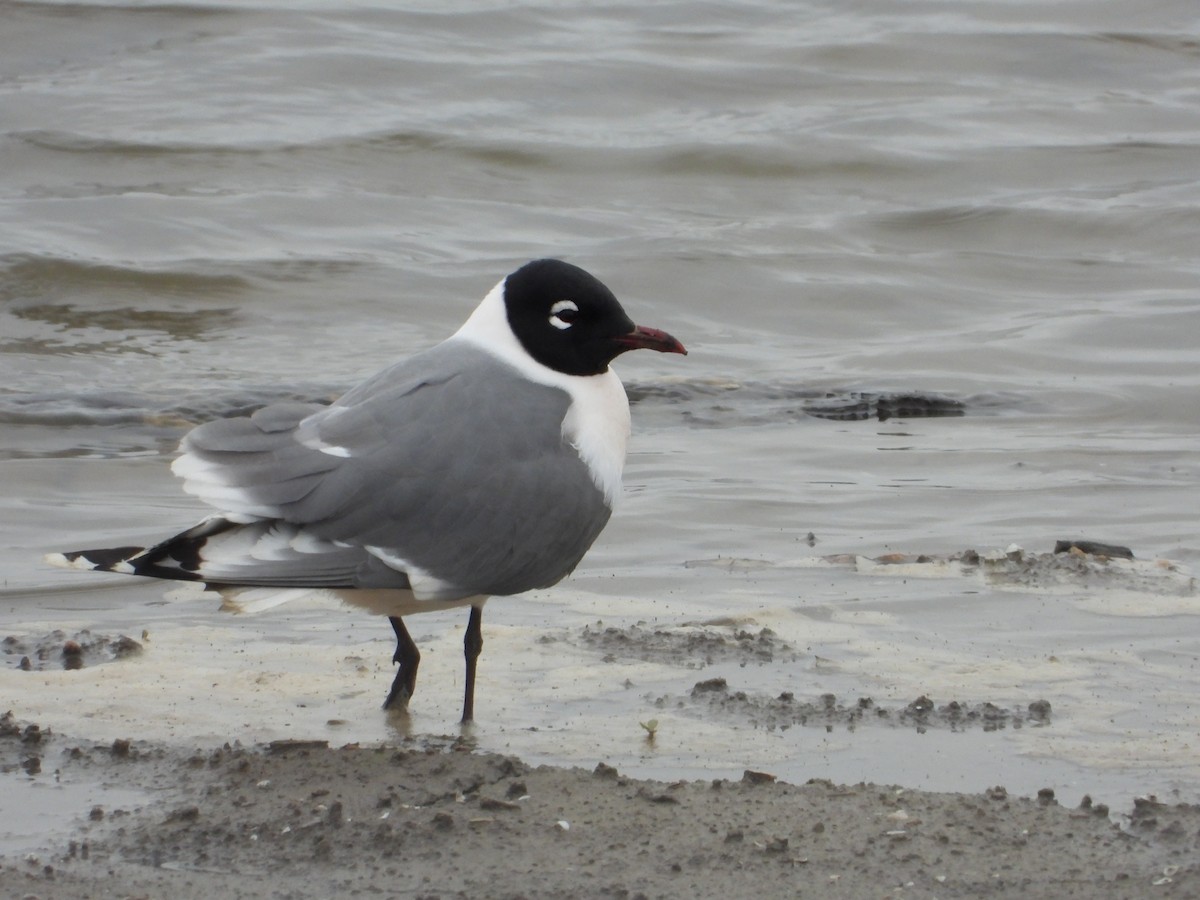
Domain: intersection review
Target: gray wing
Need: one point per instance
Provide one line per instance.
(450, 466)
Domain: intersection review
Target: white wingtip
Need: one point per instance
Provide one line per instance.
(83, 564)
(60, 560)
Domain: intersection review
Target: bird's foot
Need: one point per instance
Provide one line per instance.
(401, 692)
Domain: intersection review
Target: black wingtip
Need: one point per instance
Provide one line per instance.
(177, 558)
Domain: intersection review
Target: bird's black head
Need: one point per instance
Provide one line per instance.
(567, 320)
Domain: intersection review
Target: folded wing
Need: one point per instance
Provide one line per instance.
(388, 483)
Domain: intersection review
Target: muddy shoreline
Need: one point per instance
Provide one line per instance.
(396, 811)
(431, 817)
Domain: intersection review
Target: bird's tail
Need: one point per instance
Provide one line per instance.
(178, 559)
(254, 566)
(133, 561)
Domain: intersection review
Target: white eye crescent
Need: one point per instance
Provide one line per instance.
(563, 313)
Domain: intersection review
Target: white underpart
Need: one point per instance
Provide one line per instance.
(400, 603)
(597, 422)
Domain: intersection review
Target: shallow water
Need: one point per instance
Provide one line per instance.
(206, 208)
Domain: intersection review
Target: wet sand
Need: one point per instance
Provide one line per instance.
(430, 817)
(159, 812)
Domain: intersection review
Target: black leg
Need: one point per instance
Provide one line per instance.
(408, 657)
(472, 646)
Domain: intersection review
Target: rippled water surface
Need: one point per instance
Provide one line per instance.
(936, 265)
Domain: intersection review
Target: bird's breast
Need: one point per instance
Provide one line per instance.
(597, 425)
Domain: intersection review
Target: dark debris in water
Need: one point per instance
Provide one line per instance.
(723, 403)
(715, 697)
(690, 647)
(853, 406)
(58, 650)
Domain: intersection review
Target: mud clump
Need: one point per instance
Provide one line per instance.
(714, 697)
(58, 650)
(689, 647)
(1083, 565)
(1074, 565)
(1094, 548)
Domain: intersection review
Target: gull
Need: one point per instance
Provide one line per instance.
(483, 466)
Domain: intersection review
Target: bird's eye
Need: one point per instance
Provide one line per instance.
(563, 313)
